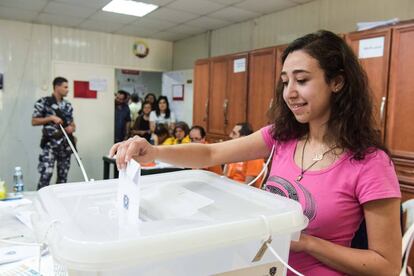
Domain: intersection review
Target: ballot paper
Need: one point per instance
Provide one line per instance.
(15, 202)
(17, 252)
(128, 199)
(25, 217)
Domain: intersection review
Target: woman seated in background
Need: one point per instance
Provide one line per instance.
(162, 114)
(141, 126)
(181, 132)
(162, 135)
(152, 99)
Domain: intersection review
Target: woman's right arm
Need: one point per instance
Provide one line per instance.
(192, 155)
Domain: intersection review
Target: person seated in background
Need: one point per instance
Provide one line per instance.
(151, 98)
(181, 132)
(198, 135)
(134, 107)
(162, 114)
(141, 126)
(162, 135)
(243, 171)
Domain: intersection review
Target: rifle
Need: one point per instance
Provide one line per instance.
(58, 134)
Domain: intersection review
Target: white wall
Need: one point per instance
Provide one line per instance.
(94, 118)
(142, 84)
(116, 50)
(186, 51)
(282, 27)
(239, 40)
(183, 110)
(26, 54)
(25, 51)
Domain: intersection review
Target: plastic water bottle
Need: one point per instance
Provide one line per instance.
(18, 187)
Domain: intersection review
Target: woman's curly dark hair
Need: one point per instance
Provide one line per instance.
(351, 123)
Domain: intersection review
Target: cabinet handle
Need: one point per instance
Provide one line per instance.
(225, 105)
(383, 100)
(405, 171)
(271, 103)
(206, 111)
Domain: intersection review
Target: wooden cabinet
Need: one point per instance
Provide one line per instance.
(377, 69)
(217, 95)
(390, 79)
(392, 83)
(399, 135)
(235, 104)
(279, 52)
(200, 102)
(227, 93)
(220, 86)
(262, 71)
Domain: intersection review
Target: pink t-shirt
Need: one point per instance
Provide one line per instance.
(332, 197)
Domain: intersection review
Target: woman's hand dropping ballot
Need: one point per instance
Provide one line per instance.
(136, 148)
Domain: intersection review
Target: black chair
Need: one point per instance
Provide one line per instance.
(360, 240)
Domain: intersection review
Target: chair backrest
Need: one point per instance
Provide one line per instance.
(259, 182)
(225, 172)
(408, 236)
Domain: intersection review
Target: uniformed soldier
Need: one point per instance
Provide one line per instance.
(51, 112)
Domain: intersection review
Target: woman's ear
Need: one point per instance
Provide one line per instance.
(337, 83)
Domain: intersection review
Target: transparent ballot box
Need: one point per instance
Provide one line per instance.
(190, 223)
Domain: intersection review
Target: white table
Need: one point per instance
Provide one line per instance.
(12, 229)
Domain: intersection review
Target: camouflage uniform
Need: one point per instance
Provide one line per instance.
(54, 145)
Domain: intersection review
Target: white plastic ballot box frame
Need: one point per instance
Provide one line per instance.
(192, 222)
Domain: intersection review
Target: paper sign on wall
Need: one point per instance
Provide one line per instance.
(178, 92)
(371, 47)
(99, 85)
(239, 65)
(81, 90)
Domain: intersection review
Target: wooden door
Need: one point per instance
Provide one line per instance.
(400, 113)
(376, 67)
(235, 103)
(279, 65)
(262, 66)
(400, 127)
(201, 85)
(217, 95)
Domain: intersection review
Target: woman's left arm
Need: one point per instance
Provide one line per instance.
(383, 256)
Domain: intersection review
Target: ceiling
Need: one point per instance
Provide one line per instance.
(173, 20)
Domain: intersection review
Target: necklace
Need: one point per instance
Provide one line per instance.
(316, 159)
